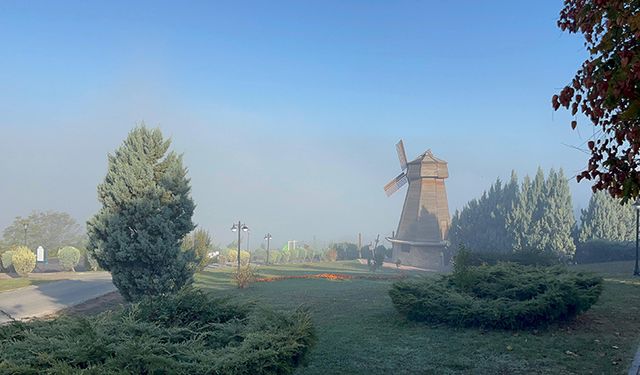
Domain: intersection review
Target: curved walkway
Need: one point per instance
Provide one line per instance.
(48, 298)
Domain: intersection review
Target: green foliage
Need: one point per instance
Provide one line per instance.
(51, 230)
(245, 276)
(504, 296)
(69, 258)
(260, 255)
(482, 224)
(7, 260)
(346, 250)
(200, 242)
(542, 219)
(92, 262)
(375, 258)
(146, 212)
(187, 333)
(524, 257)
(607, 219)
(231, 255)
(536, 216)
(23, 260)
(598, 251)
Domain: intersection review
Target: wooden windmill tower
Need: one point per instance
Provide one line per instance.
(420, 238)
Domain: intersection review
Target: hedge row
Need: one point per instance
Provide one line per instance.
(190, 333)
(598, 251)
(504, 296)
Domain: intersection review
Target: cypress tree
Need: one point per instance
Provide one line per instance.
(557, 221)
(606, 218)
(536, 216)
(146, 211)
(481, 225)
(519, 219)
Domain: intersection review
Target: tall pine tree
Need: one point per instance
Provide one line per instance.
(146, 211)
(607, 219)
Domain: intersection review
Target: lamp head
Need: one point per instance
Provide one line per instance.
(245, 228)
(234, 228)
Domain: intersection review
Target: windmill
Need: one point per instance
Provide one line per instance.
(422, 230)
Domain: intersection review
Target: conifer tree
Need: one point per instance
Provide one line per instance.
(519, 219)
(481, 225)
(607, 219)
(146, 211)
(553, 230)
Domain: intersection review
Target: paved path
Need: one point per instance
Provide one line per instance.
(402, 267)
(48, 298)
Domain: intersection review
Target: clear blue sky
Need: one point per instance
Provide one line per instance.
(287, 111)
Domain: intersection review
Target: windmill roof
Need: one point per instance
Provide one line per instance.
(428, 157)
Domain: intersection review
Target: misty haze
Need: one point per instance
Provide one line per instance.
(320, 188)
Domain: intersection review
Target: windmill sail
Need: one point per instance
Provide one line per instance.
(395, 184)
(402, 156)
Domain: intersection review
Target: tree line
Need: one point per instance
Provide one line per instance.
(536, 215)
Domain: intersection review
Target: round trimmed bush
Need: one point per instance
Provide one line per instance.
(69, 258)
(24, 261)
(503, 296)
(6, 259)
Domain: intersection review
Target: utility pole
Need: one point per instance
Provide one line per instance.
(359, 245)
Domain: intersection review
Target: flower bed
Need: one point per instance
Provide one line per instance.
(331, 276)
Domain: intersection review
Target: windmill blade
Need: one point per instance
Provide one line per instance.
(395, 184)
(402, 156)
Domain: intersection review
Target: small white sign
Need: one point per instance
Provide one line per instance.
(40, 254)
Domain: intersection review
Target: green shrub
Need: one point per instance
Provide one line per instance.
(24, 261)
(7, 260)
(597, 251)
(232, 256)
(379, 256)
(186, 333)
(69, 258)
(524, 257)
(506, 296)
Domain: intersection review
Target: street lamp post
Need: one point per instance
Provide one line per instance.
(239, 228)
(636, 205)
(25, 225)
(268, 238)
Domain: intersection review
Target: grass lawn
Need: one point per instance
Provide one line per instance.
(359, 331)
(9, 284)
